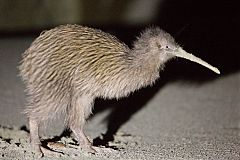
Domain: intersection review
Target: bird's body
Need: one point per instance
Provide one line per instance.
(70, 61)
(69, 66)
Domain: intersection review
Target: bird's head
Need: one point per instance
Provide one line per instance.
(155, 40)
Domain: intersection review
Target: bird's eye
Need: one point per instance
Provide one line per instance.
(167, 47)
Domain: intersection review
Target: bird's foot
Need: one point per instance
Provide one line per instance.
(50, 153)
(41, 151)
(37, 151)
(88, 148)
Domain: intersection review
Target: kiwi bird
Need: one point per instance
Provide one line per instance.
(67, 67)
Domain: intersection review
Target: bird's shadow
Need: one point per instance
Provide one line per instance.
(123, 110)
(65, 133)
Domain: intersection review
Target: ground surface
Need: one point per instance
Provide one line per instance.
(175, 119)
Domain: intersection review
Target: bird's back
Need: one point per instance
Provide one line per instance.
(71, 53)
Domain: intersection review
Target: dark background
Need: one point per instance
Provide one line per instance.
(209, 29)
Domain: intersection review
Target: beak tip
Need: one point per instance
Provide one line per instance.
(216, 70)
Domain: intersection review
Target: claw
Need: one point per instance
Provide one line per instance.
(37, 151)
(41, 151)
(50, 153)
(89, 149)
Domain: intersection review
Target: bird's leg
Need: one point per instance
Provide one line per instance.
(79, 112)
(84, 142)
(34, 136)
(36, 143)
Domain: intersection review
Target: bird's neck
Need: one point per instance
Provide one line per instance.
(145, 67)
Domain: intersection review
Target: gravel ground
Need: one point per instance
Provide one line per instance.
(175, 119)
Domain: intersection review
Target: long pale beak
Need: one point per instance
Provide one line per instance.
(183, 54)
